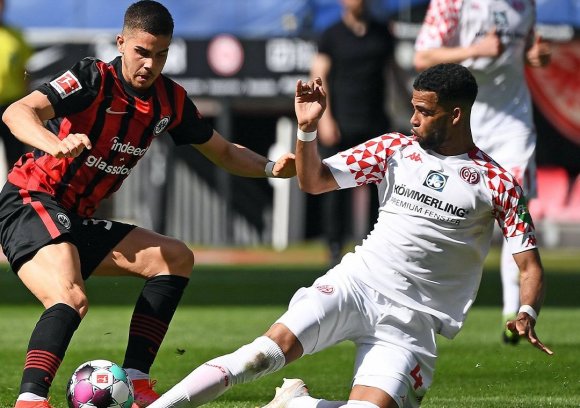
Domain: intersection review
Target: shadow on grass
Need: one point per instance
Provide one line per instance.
(264, 285)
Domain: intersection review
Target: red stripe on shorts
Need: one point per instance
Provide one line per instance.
(42, 212)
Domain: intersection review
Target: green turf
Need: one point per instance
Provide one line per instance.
(225, 307)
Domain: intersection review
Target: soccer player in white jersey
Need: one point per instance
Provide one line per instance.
(415, 275)
(494, 39)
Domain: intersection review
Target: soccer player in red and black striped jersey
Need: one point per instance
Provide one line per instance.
(100, 120)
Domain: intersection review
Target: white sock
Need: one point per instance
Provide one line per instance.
(135, 374)
(29, 396)
(202, 385)
(252, 361)
(359, 404)
(212, 379)
(510, 281)
(307, 401)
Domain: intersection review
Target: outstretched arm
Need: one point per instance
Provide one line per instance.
(242, 161)
(309, 103)
(531, 296)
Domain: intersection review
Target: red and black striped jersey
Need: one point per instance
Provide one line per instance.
(93, 98)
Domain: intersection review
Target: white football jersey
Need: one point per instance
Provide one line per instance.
(501, 119)
(436, 217)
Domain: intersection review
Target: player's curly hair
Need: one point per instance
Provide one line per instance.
(149, 16)
(453, 83)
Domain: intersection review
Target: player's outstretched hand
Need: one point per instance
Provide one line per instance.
(523, 326)
(285, 166)
(309, 104)
(71, 146)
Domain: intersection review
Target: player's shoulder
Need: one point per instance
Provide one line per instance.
(396, 138)
(388, 143)
(89, 67)
(492, 170)
(170, 84)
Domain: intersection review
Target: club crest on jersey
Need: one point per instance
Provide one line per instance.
(326, 289)
(161, 125)
(66, 84)
(64, 220)
(436, 180)
(469, 175)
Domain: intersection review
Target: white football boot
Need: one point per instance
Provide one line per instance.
(290, 389)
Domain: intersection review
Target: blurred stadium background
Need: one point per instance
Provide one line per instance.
(239, 61)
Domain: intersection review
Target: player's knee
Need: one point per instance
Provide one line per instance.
(82, 307)
(179, 258)
(80, 303)
(74, 297)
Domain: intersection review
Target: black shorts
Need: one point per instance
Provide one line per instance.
(30, 220)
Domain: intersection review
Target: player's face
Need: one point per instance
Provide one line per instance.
(431, 121)
(144, 56)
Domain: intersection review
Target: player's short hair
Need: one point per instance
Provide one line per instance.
(149, 16)
(453, 83)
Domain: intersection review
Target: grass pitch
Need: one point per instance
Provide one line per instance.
(227, 306)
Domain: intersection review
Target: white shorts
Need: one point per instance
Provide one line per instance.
(396, 348)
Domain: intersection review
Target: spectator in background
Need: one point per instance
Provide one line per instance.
(494, 39)
(14, 53)
(352, 59)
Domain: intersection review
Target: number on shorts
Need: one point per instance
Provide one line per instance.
(416, 374)
(107, 226)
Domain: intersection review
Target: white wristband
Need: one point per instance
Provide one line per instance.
(269, 169)
(306, 136)
(529, 310)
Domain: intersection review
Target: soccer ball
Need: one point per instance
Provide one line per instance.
(99, 384)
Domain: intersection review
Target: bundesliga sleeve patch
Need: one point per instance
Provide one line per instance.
(66, 84)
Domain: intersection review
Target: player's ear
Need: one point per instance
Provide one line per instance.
(456, 115)
(121, 43)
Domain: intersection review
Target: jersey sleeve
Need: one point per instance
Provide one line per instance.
(440, 24)
(74, 90)
(193, 128)
(365, 163)
(511, 211)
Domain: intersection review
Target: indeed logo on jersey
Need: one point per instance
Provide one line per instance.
(119, 147)
(127, 148)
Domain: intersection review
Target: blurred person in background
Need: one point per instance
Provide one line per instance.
(495, 39)
(353, 58)
(100, 120)
(14, 53)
